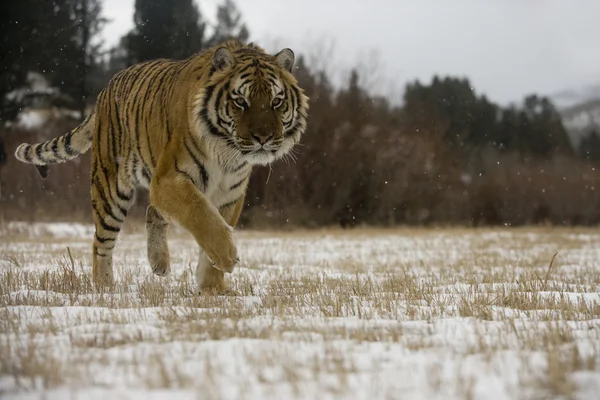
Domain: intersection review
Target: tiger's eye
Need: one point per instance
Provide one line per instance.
(240, 102)
(277, 102)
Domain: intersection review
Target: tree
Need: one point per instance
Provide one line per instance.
(484, 124)
(509, 130)
(174, 30)
(3, 154)
(150, 37)
(188, 36)
(229, 25)
(55, 38)
(165, 29)
(449, 108)
(26, 45)
(87, 26)
(121, 56)
(353, 148)
(589, 148)
(545, 133)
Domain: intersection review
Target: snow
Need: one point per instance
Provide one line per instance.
(35, 101)
(34, 118)
(31, 119)
(54, 230)
(324, 314)
(36, 85)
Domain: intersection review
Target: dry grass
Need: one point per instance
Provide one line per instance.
(449, 313)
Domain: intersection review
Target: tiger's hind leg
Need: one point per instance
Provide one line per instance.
(110, 206)
(158, 248)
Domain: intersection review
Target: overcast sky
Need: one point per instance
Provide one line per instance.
(507, 48)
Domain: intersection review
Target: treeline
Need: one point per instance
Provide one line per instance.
(446, 155)
(61, 39)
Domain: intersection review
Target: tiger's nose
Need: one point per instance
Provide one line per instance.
(262, 139)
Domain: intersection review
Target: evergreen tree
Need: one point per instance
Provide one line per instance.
(484, 124)
(87, 24)
(229, 25)
(546, 133)
(165, 29)
(511, 124)
(188, 36)
(28, 43)
(14, 25)
(354, 98)
(3, 155)
(589, 148)
(448, 108)
(153, 22)
(119, 57)
(55, 38)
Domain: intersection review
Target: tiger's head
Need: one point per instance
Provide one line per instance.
(252, 106)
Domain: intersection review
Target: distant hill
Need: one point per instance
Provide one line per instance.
(572, 97)
(581, 119)
(579, 110)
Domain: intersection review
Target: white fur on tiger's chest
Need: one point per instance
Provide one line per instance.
(224, 187)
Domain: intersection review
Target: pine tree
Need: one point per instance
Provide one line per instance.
(165, 29)
(28, 43)
(508, 133)
(589, 148)
(188, 36)
(229, 25)
(55, 38)
(3, 154)
(545, 133)
(446, 108)
(87, 24)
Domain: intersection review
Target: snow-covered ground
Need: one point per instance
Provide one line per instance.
(367, 314)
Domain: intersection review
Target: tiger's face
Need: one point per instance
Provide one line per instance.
(255, 108)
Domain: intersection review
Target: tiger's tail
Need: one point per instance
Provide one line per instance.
(60, 149)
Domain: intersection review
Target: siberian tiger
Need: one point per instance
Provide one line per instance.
(189, 131)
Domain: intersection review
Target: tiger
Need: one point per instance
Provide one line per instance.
(190, 131)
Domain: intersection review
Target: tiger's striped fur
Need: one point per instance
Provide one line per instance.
(190, 131)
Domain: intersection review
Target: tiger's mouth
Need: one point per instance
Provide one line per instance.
(264, 151)
(261, 154)
(260, 151)
(248, 147)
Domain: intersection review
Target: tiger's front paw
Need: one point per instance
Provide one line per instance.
(226, 263)
(223, 252)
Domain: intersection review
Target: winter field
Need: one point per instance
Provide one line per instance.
(362, 314)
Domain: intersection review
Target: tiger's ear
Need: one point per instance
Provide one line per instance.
(285, 59)
(223, 58)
